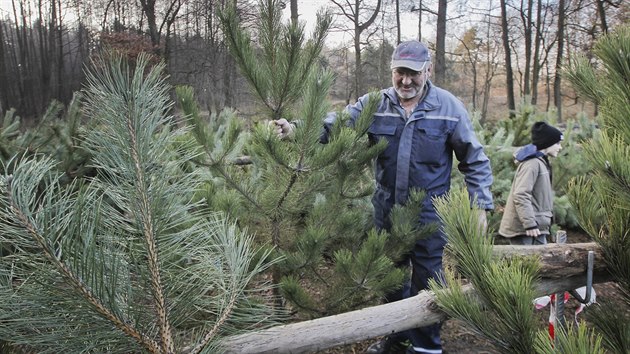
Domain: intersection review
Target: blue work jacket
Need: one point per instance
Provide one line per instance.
(419, 153)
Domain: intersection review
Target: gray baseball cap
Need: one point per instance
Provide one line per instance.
(412, 55)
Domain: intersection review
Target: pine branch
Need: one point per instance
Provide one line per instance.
(24, 222)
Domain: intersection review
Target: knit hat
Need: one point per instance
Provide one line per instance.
(544, 135)
(412, 55)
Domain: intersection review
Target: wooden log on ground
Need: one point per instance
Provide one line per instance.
(558, 260)
(563, 268)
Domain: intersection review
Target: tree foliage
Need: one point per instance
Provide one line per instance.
(123, 261)
(309, 201)
(602, 198)
(504, 312)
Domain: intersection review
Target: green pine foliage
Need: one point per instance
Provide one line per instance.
(501, 310)
(58, 134)
(574, 339)
(125, 261)
(602, 199)
(307, 201)
(9, 130)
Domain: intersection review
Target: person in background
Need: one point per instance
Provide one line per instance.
(424, 126)
(528, 213)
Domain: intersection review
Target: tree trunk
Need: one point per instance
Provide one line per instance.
(557, 90)
(509, 75)
(360, 26)
(358, 63)
(294, 11)
(4, 85)
(397, 21)
(420, 20)
(528, 26)
(602, 16)
(563, 268)
(536, 59)
(439, 68)
(148, 8)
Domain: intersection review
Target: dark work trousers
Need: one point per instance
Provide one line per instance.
(426, 263)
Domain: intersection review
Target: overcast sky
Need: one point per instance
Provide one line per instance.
(307, 10)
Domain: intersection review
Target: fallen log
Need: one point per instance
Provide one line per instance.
(563, 268)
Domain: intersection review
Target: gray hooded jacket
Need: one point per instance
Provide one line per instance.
(530, 203)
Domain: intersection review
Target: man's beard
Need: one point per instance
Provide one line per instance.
(407, 95)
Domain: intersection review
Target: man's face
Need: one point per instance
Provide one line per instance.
(409, 83)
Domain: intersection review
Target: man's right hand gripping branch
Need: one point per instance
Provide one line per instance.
(283, 128)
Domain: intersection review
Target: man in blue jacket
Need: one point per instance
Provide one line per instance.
(423, 125)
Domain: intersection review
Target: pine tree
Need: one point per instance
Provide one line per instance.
(123, 262)
(603, 197)
(308, 201)
(501, 310)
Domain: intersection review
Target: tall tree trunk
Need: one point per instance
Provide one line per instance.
(602, 15)
(46, 45)
(23, 64)
(4, 84)
(526, 16)
(59, 82)
(294, 11)
(509, 75)
(397, 21)
(439, 67)
(557, 90)
(420, 20)
(536, 59)
(358, 63)
(359, 27)
(148, 8)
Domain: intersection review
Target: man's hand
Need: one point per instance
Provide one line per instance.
(282, 127)
(532, 232)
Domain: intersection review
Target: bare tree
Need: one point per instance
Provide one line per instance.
(419, 20)
(602, 15)
(537, 44)
(557, 90)
(528, 25)
(397, 21)
(439, 63)
(4, 84)
(509, 75)
(168, 18)
(362, 16)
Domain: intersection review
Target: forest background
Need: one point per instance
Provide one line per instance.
(491, 54)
